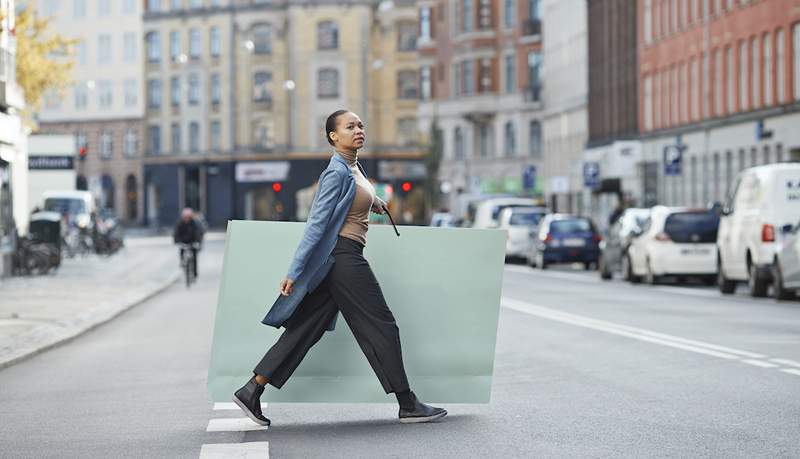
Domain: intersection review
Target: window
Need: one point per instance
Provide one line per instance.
(534, 9)
(767, 158)
(195, 43)
(104, 49)
(195, 4)
(261, 135)
(215, 42)
(103, 7)
(154, 93)
(796, 60)
(425, 83)
(508, 13)
(262, 39)
(510, 73)
(174, 45)
(194, 89)
(767, 70)
(81, 96)
(327, 83)
(52, 100)
(175, 91)
(153, 6)
(458, 143)
(106, 144)
(216, 132)
(683, 92)
(457, 80)
(79, 9)
(718, 83)
(175, 137)
(194, 137)
(261, 81)
(695, 77)
(128, 6)
(129, 47)
(755, 78)
(216, 89)
(534, 69)
(648, 103)
(731, 84)
(780, 66)
(153, 47)
(467, 15)
(131, 142)
(175, 5)
(327, 35)
(483, 140)
(648, 21)
(80, 51)
(407, 84)
(535, 138)
(728, 169)
(407, 36)
(510, 139)
(468, 73)
(154, 140)
(674, 92)
(131, 90)
(742, 165)
(105, 94)
(50, 7)
(407, 131)
(744, 99)
(656, 100)
(716, 177)
(425, 23)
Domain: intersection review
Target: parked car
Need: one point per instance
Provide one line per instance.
(443, 219)
(614, 246)
(565, 239)
(487, 211)
(764, 202)
(522, 225)
(673, 241)
(786, 267)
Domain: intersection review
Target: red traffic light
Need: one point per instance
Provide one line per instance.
(82, 152)
(406, 187)
(276, 187)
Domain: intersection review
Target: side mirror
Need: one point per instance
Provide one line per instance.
(786, 229)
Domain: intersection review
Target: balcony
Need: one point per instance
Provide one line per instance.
(531, 27)
(533, 93)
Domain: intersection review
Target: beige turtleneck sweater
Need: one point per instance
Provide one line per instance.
(356, 223)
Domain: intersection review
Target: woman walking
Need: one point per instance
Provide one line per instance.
(329, 274)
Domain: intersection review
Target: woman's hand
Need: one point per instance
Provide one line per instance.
(287, 285)
(377, 206)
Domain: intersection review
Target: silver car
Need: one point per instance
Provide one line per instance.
(521, 223)
(786, 267)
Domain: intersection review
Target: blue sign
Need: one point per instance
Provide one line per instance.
(673, 159)
(591, 174)
(529, 178)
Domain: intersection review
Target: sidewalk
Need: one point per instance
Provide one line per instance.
(37, 313)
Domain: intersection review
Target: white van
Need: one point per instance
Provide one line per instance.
(487, 212)
(78, 205)
(762, 206)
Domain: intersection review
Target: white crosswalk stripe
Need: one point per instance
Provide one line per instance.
(230, 406)
(233, 425)
(251, 450)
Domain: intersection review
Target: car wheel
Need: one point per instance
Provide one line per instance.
(627, 269)
(781, 292)
(726, 286)
(758, 287)
(605, 273)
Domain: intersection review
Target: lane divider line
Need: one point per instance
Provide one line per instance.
(787, 362)
(791, 371)
(760, 363)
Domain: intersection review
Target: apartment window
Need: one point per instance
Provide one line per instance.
(675, 97)
(174, 45)
(780, 66)
(796, 60)
(510, 69)
(656, 19)
(508, 13)
(683, 75)
(467, 15)
(50, 7)
(106, 144)
(718, 83)
(52, 100)
(195, 43)
(457, 88)
(755, 79)
(425, 82)
(705, 181)
(103, 7)
(215, 42)
(154, 140)
(534, 69)
(215, 129)
(128, 6)
(261, 134)
(194, 89)
(131, 92)
(195, 4)
(509, 139)
(674, 15)
(80, 51)
(469, 77)
(767, 70)
(175, 91)
(194, 137)
(656, 100)
(535, 138)
(741, 160)
(175, 137)
(767, 159)
(744, 99)
(648, 103)
(129, 47)
(407, 131)
(425, 23)
(131, 142)
(407, 36)
(216, 89)
(153, 47)
(648, 21)
(706, 89)
(154, 93)
(261, 81)
(153, 5)
(327, 35)
(753, 157)
(262, 39)
(731, 83)
(534, 9)
(728, 170)
(327, 83)
(407, 87)
(105, 94)
(81, 94)
(483, 140)
(716, 178)
(104, 49)
(485, 75)
(695, 89)
(458, 143)
(79, 9)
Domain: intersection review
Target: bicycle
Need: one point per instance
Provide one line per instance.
(188, 261)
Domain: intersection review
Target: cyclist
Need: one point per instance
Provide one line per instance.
(188, 231)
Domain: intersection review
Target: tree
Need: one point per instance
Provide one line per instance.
(44, 60)
(433, 158)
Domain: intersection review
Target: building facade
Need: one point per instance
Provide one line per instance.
(103, 110)
(481, 84)
(719, 92)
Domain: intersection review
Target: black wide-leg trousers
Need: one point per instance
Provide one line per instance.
(350, 288)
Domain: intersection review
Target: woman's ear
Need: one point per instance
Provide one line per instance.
(332, 136)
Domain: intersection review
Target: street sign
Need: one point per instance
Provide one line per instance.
(673, 158)
(591, 174)
(529, 178)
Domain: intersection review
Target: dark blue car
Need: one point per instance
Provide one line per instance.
(566, 239)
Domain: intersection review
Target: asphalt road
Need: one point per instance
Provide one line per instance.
(584, 368)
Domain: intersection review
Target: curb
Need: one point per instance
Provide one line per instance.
(91, 325)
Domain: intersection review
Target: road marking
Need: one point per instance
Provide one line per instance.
(787, 362)
(575, 277)
(791, 371)
(759, 363)
(690, 291)
(250, 450)
(230, 406)
(233, 425)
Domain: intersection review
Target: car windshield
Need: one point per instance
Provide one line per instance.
(497, 209)
(699, 227)
(62, 205)
(575, 225)
(525, 219)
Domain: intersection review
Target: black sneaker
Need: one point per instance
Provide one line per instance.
(248, 398)
(421, 413)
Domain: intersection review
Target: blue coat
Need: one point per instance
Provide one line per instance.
(312, 260)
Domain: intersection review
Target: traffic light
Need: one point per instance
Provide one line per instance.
(82, 152)
(276, 187)
(406, 187)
